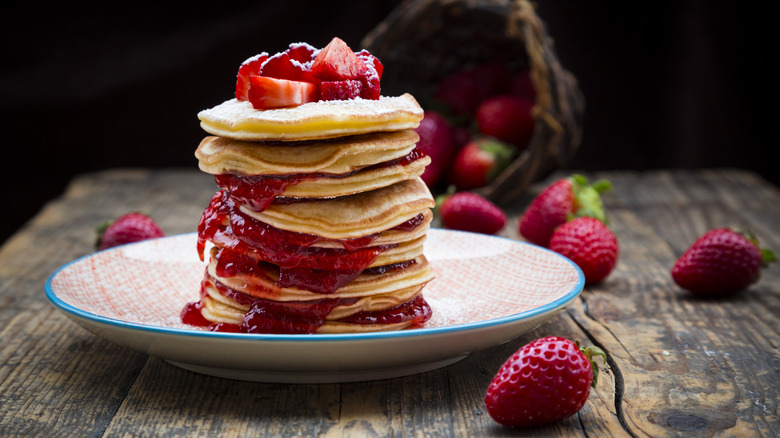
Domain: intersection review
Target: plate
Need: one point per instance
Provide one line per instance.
(488, 290)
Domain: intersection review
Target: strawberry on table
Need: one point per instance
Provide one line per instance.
(546, 380)
(467, 211)
(129, 228)
(562, 200)
(438, 142)
(479, 162)
(590, 244)
(721, 262)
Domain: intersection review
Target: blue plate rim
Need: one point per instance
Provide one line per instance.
(346, 337)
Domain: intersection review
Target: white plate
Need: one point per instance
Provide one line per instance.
(488, 290)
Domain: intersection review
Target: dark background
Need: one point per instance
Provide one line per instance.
(679, 84)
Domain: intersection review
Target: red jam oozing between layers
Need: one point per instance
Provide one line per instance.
(243, 241)
(298, 317)
(259, 191)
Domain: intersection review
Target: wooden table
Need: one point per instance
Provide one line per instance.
(678, 366)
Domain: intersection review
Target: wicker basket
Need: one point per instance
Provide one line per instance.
(421, 41)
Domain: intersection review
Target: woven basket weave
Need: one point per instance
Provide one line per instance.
(422, 41)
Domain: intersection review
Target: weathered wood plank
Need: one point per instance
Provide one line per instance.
(684, 362)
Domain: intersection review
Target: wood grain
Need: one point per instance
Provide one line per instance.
(678, 366)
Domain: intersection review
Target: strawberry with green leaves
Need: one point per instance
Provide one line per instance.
(590, 244)
(721, 262)
(546, 380)
(559, 202)
(479, 162)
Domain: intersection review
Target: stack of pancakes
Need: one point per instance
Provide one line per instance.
(319, 223)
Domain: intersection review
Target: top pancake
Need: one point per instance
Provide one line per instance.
(317, 120)
(220, 155)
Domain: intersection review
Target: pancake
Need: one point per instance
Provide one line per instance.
(264, 285)
(227, 223)
(219, 155)
(259, 191)
(393, 235)
(362, 181)
(399, 309)
(217, 226)
(395, 253)
(222, 308)
(312, 121)
(351, 216)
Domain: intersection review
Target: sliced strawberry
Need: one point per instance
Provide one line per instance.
(370, 80)
(265, 93)
(337, 62)
(340, 90)
(302, 52)
(282, 66)
(371, 61)
(248, 68)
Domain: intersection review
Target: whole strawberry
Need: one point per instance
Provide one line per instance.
(590, 244)
(437, 140)
(132, 227)
(560, 201)
(546, 380)
(507, 118)
(467, 211)
(479, 162)
(721, 262)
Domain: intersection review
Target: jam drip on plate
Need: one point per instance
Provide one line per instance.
(298, 317)
(259, 191)
(245, 243)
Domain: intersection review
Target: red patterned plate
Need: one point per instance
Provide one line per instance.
(488, 290)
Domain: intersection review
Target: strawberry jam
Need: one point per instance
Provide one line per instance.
(191, 315)
(259, 191)
(297, 317)
(244, 241)
(416, 310)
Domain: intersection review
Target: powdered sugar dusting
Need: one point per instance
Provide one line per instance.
(307, 46)
(234, 111)
(254, 58)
